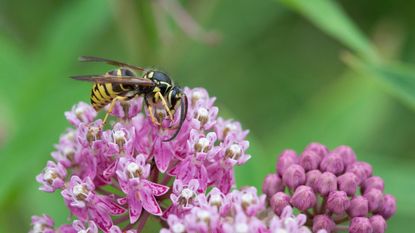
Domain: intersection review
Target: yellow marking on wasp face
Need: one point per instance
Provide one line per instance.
(119, 72)
(150, 75)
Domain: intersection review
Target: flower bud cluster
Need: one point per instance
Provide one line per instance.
(332, 188)
(120, 174)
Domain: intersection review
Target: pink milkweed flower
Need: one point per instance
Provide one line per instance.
(52, 177)
(105, 171)
(81, 113)
(78, 226)
(44, 224)
(86, 204)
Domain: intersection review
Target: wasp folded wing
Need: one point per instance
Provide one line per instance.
(115, 79)
(109, 61)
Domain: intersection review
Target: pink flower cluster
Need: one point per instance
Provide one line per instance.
(331, 188)
(240, 211)
(121, 175)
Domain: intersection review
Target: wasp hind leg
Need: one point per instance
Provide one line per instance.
(118, 98)
(165, 105)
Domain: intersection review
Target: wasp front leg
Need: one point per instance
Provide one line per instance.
(151, 112)
(165, 105)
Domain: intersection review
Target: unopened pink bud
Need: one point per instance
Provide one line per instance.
(320, 149)
(373, 182)
(323, 222)
(278, 202)
(312, 179)
(359, 207)
(294, 176)
(286, 159)
(346, 153)
(348, 182)
(326, 183)
(272, 184)
(378, 224)
(361, 169)
(310, 160)
(303, 198)
(389, 206)
(333, 163)
(338, 202)
(360, 225)
(375, 199)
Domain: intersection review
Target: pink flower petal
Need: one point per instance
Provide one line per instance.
(157, 189)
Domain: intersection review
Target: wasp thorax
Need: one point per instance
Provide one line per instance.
(119, 137)
(80, 191)
(202, 115)
(134, 171)
(50, 175)
(233, 152)
(93, 134)
(178, 228)
(204, 216)
(202, 145)
(196, 96)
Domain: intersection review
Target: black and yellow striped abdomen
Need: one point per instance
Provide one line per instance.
(103, 93)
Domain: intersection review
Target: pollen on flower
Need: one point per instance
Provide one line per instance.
(202, 115)
(202, 145)
(134, 170)
(234, 152)
(80, 192)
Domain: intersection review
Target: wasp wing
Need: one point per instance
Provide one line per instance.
(115, 79)
(109, 61)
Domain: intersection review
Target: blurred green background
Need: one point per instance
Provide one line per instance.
(292, 71)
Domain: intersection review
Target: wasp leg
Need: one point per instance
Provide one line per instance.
(150, 111)
(120, 98)
(153, 118)
(163, 101)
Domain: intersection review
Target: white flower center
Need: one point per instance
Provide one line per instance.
(78, 189)
(119, 135)
(134, 170)
(216, 199)
(230, 127)
(49, 174)
(203, 215)
(247, 198)
(178, 228)
(68, 151)
(280, 230)
(197, 95)
(38, 228)
(235, 149)
(83, 231)
(186, 193)
(202, 112)
(241, 228)
(79, 111)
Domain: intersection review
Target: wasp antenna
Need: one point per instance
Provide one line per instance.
(183, 113)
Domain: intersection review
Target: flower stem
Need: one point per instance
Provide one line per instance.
(142, 221)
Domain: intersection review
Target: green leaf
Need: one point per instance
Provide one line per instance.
(398, 79)
(329, 17)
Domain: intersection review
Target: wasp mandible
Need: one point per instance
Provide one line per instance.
(123, 84)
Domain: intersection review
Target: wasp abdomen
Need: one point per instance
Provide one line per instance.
(103, 93)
